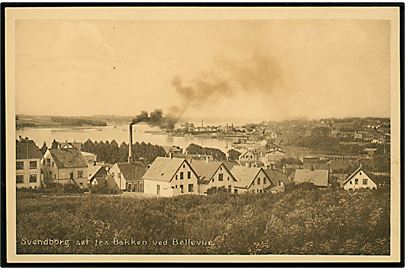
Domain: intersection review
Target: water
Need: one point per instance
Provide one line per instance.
(117, 133)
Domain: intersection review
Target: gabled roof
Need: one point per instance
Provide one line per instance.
(173, 148)
(360, 168)
(68, 158)
(163, 169)
(131, 171)
(276, 176)
(205, 170)
(317, 177)
(245, 175)
(27, 149)
(247, 151)
(230, 164)
(95, 170)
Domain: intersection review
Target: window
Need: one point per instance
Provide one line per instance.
(140, 187)
(119, 175)
(48, 162)
(112, 173)
(253, 183)
(220, 177)
(365, 181)
(356, 181)
(71, 175)
(264, 180)
(20, 179)
(20, 165)
(79, 174)
(176, 177)
(235, 190)
(258, 181)
(33, 178)
(360, 173)
(157, 189)
(190, 187)
(350, 182)
(228, 178)
(188, 175)
(184, 165)
(33, 164)
(181, 175)
(53, 164)
(220, 168)
(181, 189)
(229, 188)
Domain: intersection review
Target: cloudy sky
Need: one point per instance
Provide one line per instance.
(256, 70)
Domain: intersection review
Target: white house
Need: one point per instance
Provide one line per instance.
(128, 176)
(213, 175)
(247, 156)
(167, 177)
(359, 179)
(28, 166)
(253, 180)
(65, 166)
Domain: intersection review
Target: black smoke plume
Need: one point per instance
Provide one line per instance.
(156, 118)
(260, 73)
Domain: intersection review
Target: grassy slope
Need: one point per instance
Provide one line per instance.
(300, 221)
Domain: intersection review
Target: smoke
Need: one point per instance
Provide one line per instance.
(156, 118)
(259, 73)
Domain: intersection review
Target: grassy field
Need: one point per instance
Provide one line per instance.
(300, 221)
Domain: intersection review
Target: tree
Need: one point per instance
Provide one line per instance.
(233, 154)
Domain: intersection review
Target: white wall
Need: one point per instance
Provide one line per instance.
(360, 176)
(26, 172)
(150, 187)
(121, 182)
(228, 180)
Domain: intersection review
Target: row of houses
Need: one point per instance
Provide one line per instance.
(166, 176)
(171, 176)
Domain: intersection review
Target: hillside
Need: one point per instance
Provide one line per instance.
(300, 221)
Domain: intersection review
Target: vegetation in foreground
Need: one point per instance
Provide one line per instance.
(303, 220)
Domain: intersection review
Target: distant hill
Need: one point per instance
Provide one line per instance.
(57, 121)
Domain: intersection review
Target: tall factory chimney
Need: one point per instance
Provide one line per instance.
(130, 157)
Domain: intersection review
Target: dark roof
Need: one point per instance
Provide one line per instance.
(68, 158)
(276, 176)
(131, 171)
(27, 149)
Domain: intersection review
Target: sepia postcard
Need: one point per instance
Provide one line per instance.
(202, 134)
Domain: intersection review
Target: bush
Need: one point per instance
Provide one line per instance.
(305, 220)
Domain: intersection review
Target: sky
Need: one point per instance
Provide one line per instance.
(243, 69)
